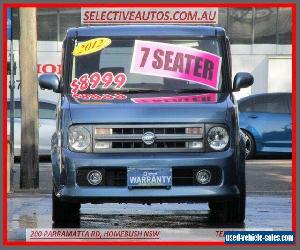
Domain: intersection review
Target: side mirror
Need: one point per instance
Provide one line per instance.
(242, 80)
(49, 81)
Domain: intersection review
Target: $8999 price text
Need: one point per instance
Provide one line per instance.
(93, 81)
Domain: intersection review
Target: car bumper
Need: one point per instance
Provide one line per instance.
(225, 161)
(124, 195)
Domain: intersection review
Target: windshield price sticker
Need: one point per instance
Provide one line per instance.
(175, 61)
(91, 46)
(98, 97)
(93, 81)
(203, 98)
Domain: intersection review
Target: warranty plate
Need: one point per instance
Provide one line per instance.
(152, 177)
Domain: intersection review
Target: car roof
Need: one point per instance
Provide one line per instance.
(146, 31)
(263, 94)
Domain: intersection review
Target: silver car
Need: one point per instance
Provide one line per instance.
(47, 124)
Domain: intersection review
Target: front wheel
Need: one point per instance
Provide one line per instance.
(65, 213)
(233, 211)
(249, 145)
(228, 212)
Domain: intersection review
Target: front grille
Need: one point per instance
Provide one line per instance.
(184, 176)
(168, 138)
(143, 130)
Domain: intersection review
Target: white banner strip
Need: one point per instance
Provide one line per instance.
(94, 16)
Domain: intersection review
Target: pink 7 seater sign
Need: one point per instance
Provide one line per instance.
(176, 61)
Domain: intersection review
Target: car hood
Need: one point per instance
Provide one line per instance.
(204, 110)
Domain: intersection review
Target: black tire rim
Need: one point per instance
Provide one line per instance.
(248, 145)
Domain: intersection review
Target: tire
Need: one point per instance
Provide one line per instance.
(232, 211)
(65, 213)
(250, 145)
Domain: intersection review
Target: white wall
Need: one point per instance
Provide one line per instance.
(256, 60)
(279, 74)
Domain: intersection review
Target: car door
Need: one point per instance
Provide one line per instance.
(17, 126)
(288, 128)
(47, 125)
(270, 118)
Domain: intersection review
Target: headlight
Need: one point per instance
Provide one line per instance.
(217, 138)
(79, 138)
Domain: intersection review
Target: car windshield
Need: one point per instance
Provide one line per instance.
(144, 66)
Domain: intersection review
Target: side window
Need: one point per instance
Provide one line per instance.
(246, 105)
(47, 110)
(261, 103)
(17, 109)
(270, 104)
(289, 102)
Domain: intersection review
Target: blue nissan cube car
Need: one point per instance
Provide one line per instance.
(266, 122)
(147, 114)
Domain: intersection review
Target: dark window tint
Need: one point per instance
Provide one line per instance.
(246, 105)
(264, 25)
(240, 25)
(15, 24)
(270, 104)
(289, 101)
(284, 26)
(17, 109)
(47, 110)
(222, 19)
(46, 25)
(67, 20)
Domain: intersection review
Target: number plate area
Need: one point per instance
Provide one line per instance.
(152, 177)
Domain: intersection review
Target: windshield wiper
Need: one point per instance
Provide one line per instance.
(196, 91)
